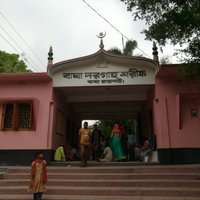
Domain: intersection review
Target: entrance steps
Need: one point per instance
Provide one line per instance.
(103, 164)
(143, 182)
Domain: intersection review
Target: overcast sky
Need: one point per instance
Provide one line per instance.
(70, 26)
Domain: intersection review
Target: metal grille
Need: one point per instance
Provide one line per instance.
(24, 115)
(8, 116)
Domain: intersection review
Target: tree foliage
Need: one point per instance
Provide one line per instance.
(106, 126)
(115, 50)
(176, 21)
(190, 71)
(165, 60)
(10, 63)
(130, 46)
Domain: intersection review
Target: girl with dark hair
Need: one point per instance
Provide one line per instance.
(38, 176)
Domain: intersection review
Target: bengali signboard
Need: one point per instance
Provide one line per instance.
(104, 76)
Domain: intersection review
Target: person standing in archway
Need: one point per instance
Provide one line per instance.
(85, 142)
(124, 139)
(96, 140)
(118, 154)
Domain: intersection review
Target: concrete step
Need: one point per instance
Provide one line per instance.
(114, 191)
(76, 197)
(125, 169)
(106, 176)
(108, 183)
(104, 164)
(3, 172)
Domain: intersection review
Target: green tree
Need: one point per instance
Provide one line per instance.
(115, 50)
(10, 63)
(106, 126)
(176, 21)
(165, 60)
(130, 46)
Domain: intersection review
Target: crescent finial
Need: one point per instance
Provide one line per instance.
(101, 36)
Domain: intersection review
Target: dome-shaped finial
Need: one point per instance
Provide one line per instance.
(155, 51)
(101, 36)
(50, 57)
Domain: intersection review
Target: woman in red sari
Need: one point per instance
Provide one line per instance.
(38, 176)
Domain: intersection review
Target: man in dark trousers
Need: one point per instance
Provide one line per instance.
(96, 140)
(85, 141)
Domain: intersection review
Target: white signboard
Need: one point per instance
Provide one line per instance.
(114, 74)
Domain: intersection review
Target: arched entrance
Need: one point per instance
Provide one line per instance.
(102, 86)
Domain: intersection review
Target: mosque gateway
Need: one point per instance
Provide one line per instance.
(97, 87)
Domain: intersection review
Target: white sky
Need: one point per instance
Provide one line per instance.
(70, 26)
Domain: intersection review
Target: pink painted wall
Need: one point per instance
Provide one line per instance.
(60, 103)
(150, 99)
(70, 120)
(41, 92)
(173, 123)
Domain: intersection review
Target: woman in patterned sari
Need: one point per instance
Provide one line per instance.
(38, 176)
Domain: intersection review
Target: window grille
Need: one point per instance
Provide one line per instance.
(8, 118)
(17, 116)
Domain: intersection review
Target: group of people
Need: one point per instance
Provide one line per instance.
(102, 150)
(93, 142)
(66, 153)
(121, 146)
